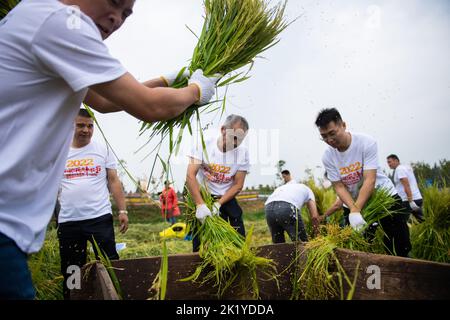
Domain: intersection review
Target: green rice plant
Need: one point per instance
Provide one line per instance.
(103, 259)
(159, 286)
(6, 6)
(234, 33)
(227, 256)
(431, 239)
(379, 206)
(324, 199)
(314, 281)
(45, 269)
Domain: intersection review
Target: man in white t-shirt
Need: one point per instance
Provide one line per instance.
(283, 212)
(287, 178)
(90, 175)
(407, 187)
(223, 167)
(351, 163)
(52, 59)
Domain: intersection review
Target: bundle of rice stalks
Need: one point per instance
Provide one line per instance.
(316, 282)
(6, 6)
(227, 258)
(378, 206)
(325, 198)
(233, 35)
(431, 239)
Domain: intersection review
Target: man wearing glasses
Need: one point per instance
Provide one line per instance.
(351, 162)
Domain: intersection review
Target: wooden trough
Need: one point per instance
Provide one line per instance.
(398, 278)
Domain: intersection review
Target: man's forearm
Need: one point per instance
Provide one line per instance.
(407, 188)
(155, 83)
(118, 196)
(99, 103)
(364, 194)
(346, 197)
(335, 207)
(230, 194)
(194, 189)
(103, 105)
(312, 208)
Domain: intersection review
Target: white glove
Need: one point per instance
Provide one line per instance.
(170, 78)
(414, 206)
(216, 208)
(356, 221)
(206, 86)
(202, 212)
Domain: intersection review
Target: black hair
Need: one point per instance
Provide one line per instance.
(84, 113)
(326, 116)
(393, 156)
(285, 172)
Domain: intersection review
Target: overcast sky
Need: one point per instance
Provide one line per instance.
(383, 64)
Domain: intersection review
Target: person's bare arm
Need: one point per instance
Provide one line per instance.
(105, 106)
(335, 207)
(367, 188)
(115, 187)
(155, 83)
(405, 183)
(234, 190)
(345, 196)
(145, 103)
(192, 183)
(330, 211)
(314, 214)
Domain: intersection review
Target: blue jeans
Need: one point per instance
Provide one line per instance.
(15, 277)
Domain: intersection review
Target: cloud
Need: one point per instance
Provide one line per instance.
(383, 64)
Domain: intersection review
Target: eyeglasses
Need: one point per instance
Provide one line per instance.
(331, 135)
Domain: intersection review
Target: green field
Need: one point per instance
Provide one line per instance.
(142, 240)
(430, 240)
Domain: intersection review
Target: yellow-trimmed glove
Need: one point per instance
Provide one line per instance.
(170, 78)
(206, 86)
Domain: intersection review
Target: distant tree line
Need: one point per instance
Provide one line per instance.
(438, 174)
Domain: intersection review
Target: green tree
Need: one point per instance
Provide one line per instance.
(280, 167)
(439, 173)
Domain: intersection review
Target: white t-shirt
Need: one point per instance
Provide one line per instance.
(218, 168)
(84, 188)
(45, 70)
(348, 166)
(296, 194)
(291, 181)
(401, 172)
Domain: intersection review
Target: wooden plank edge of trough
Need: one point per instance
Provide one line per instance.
(400, 278)
(391, 277)
(96, 284)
